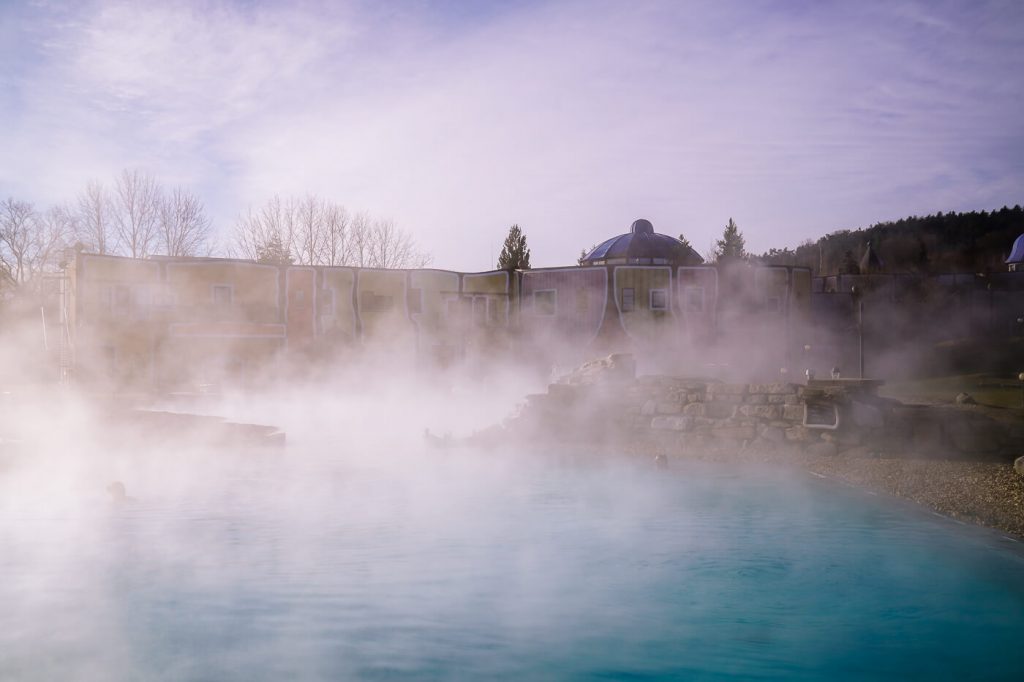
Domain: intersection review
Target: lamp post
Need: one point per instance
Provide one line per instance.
(858, 301)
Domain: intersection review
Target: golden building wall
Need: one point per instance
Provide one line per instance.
(383, 310)
(644, 300)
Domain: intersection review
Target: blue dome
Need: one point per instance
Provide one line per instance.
(642, 246)
(1017, 252)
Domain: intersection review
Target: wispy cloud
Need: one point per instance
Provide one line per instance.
(571, 118)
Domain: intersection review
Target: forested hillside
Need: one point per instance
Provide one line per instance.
(944, 242)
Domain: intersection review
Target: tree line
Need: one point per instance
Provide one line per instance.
(136, 216)
(976, 241)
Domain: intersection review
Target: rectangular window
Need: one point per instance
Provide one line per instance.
(582, 302)
(480, 311)
(659, 299)
(492, 310)
(165, 298)
(694, 299)
(628, 299)
(122, 296)
(326, 301)
(414, 299)
(222, 295)
(773, 304)
(545, 302)
(451, 308)
(370, 302)
(106, 297)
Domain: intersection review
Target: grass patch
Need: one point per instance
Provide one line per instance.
(991, 390)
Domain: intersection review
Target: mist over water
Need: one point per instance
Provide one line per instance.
(359, 553)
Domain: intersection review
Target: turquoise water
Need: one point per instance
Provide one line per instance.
(478, 569)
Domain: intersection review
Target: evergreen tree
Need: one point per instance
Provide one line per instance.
(515, 254)
(686, 242)
(274, 251)
(849, 266)
(731, 246)
(583, 254)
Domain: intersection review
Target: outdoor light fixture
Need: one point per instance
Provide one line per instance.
(809, 373)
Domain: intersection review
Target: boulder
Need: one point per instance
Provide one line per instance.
(1018, 465)
(615, 368)
(965, 399)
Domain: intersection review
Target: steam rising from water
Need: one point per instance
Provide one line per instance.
(358, 551)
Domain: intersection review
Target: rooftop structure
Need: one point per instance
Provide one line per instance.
(642, 246)
(870, 262)
(1016, 260)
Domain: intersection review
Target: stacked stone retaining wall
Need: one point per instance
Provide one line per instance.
(682, 414)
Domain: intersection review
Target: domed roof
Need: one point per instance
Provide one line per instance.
(1017, 252)
(642, 246)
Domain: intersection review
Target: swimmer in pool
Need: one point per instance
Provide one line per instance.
(118, 493)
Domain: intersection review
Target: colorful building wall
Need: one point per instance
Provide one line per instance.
(205, 319)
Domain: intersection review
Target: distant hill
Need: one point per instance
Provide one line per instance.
(944, 242)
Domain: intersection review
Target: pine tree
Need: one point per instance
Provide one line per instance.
(849, 266)
(731, 246)
(274, 252)
(583, 254)
(515, 254)
(686, 242)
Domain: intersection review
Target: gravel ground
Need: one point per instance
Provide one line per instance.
(984, 493)
(987, 494)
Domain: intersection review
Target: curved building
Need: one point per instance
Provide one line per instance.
(1016, 260)
(642, 246)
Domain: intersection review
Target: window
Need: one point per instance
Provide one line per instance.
(772, 304)
(122, 299)
(106, 297)
(165, 298)
(414, 299)
(628, 299)
(693, 298)
(659, 299)
(545, 302)
(582, 302)
(480, 311)
(143, 298)
(493, 310)
(326, 300)
(370, 302)
(222, 295)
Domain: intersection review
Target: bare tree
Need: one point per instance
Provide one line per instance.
(136, 212)
(57, 229)
(337, 242)
(29, 241)
(94, 219)
(184, 227)
(271, 229)
(310, 232)
(17, 231)
(391, 247)
(360, 237)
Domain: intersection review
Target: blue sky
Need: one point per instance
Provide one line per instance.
(569, 118)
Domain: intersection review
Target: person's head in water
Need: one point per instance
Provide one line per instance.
(117, 491)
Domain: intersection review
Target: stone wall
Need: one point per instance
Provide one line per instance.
(603, 402)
